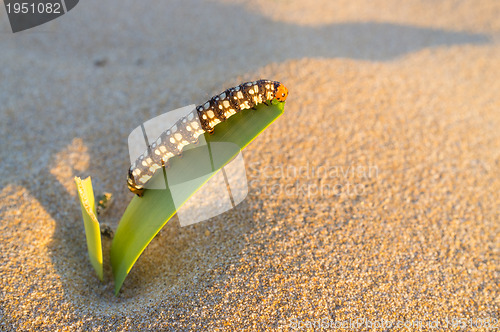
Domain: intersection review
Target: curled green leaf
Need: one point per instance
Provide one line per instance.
(145, 216)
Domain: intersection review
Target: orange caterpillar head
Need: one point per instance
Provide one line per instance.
(281, 93)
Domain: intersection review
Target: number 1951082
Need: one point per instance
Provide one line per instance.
(32, 8)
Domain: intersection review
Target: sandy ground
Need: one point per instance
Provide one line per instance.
(393, 121)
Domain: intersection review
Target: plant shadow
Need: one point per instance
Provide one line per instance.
(169, 258)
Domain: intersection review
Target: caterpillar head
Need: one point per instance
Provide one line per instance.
(281, 93)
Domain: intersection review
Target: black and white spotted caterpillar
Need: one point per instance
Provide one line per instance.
(202, 119)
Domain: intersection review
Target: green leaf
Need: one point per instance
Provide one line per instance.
(92, 230)
(145, 216)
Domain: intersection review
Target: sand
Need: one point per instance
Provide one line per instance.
(375, 196)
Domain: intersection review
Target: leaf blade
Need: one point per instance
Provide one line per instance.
(92, 229)
(145, 216)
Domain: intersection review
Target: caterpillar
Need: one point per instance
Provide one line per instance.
(202, 119)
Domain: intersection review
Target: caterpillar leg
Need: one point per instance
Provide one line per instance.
(165, 164)
(211, 132)
(137, 191)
